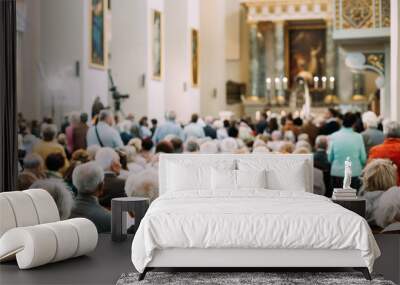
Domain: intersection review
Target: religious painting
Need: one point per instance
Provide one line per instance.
(98, 49)
(156, 45)
(306, 51)
(194, 52)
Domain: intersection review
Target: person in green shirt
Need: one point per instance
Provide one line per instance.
(346, 143)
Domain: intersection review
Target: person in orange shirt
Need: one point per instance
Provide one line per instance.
(390, 148)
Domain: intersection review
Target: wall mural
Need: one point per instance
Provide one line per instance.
(306, 52)
(194, 57)
(98, 50)
(156, 45)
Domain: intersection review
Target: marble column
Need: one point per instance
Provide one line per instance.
(395, 60)
(279, 54)
(254, 64)
(330, 50)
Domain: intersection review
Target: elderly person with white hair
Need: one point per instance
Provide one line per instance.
(170, 127)
(88, 180)
(60, 193)
(209, 147)
(371, 136)
(103, 133)
(390, 149)
(276, 142)
(388, 209)
(143, 184)
(229, 145)
(377, 177)
(109, 161)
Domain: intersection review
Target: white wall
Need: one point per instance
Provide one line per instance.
(155, 91)
(129, 53)
(212, 57)
(94, 81)
(56, 37)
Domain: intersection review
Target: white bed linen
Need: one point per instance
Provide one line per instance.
(253, 218)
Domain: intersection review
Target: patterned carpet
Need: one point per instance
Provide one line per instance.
(242, 278)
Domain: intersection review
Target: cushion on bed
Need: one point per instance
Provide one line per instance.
(251, 179)
(277, 173)
(183, 176)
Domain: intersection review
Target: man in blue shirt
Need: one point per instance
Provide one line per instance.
(346, 143)
(170, 127)
(103, 133)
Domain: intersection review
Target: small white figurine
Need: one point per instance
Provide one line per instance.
(347, 174)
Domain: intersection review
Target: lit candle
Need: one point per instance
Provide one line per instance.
(285, 83)
(278, 83)
(258, 115)
(268, 82)
(323, 79)
(332, 82)
(316, 79)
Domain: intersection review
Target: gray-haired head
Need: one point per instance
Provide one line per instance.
(105, 157)
(192, 146)
(105, 115)
(370, 119)
(60, 193)
(87, 177)
(74, 118)
(321, 142)
(33, 161)
(388, 209)
(303, 144)
(92, 150)
(392, 129)
(303, 137)
(49, 132)
(170, 115)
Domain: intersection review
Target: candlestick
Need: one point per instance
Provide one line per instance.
(278, 85)
(316, 79)
(332, 83)
(323, 79)
(285, 83)
(268, 83)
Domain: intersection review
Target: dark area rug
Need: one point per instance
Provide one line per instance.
(228, 278)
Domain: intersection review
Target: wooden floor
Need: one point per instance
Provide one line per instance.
(106, 264)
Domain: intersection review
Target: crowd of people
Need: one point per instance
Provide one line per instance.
(85, 164)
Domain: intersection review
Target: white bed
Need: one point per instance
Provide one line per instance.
(202, 226)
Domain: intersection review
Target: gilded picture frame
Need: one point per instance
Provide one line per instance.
(97, 34)
(305, 43)
(157, 38)
(194, 57)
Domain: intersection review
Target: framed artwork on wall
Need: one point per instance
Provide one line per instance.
(156, 44)
(97, 34)
(305, 51)
(194, 54)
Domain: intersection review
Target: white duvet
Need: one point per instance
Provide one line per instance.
(250, 219)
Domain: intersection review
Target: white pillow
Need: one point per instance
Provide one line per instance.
(282, 174)
(223, 179)
(251, 178)
(181, 178)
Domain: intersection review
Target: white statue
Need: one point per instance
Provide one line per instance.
(347, 174)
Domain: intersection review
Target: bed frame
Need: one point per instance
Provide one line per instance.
(242, 259)
(249, 259)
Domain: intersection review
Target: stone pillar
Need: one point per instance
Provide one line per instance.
(254, 64)
(279, 52)
(330, 50)
(395, 60)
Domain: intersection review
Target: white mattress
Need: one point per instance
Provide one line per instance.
(253, 219)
